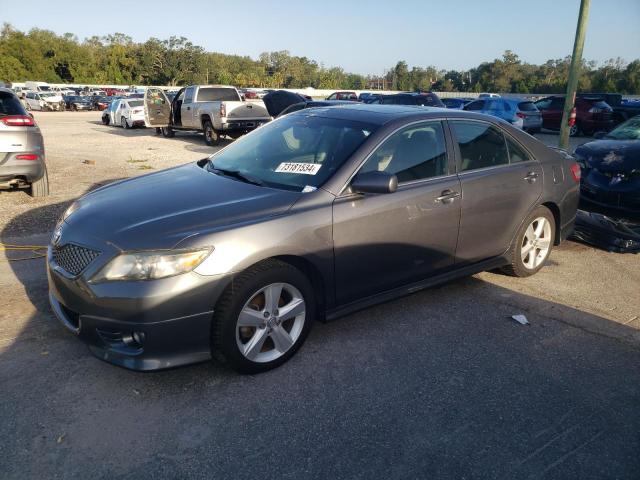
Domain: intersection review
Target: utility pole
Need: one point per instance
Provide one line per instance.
(574, 73)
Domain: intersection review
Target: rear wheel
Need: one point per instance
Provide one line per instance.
(40, 188)
(574, 130)
(263, 318)
(211, 137)
(168, 132)
(533, 243)
(124, 123)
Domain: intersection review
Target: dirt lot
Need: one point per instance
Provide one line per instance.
(441, 384)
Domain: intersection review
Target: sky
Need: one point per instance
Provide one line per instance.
(365, 37)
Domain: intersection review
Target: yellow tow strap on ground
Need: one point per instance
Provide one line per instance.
(39, 251)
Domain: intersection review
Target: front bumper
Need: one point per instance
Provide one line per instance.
(146, 325)
(608, 233)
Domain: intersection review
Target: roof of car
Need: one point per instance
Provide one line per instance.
(372, 113)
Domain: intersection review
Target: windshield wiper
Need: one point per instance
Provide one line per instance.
(236, 174)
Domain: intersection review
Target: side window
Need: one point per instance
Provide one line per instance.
(481, 145)
(414, 153)
(332, 96)
(477, 105)
(516, 152)
(188, 95)
(557, 103)
(543, 104)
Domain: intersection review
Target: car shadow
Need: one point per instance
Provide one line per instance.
(442, 381)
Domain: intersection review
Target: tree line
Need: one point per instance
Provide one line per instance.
(116, 59)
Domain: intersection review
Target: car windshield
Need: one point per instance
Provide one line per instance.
(629, 130)
(297, 152)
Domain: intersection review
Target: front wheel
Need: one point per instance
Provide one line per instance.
(168, 132)
(263, 318)
(211, 137)
(533, 243)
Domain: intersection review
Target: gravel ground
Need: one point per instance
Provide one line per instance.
(440, 384)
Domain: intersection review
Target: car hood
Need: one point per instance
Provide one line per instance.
(160, 210)
(614, 156)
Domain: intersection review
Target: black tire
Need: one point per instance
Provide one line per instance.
(211, 137)
(124, 123)
(168, 132)
(516, 266)
(158, 131)
(575, 131)
(223, 342)
(74, 108)
(40, 188)
(105, 120)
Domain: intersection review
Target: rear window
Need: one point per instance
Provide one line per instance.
(601, 104)
(527, 106)
(135, 103)
(218, 95)
(10, 105)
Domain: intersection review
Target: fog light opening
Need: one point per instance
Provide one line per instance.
(134, 339)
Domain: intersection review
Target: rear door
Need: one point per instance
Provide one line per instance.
(500, 182)
(157, 108)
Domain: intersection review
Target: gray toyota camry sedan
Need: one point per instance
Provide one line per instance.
(312, 216)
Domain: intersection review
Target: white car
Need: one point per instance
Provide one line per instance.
(43, 101)
(128, 113)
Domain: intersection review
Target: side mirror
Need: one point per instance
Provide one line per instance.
(374, 182)
(599, 135)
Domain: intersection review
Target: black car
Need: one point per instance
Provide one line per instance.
(423, 99)
(610, 188)
(77, 102)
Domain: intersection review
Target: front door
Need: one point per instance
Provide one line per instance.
(382, 241)
(157, 108)
(501, 182)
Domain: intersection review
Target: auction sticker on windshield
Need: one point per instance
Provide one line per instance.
(304, 168)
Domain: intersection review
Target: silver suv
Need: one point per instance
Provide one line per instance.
(22, 158)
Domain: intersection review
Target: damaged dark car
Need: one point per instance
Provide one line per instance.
(610, 189)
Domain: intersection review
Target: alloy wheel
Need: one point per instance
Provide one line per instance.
(536, 243)
(270, 322)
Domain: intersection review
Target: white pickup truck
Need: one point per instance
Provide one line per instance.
(215, 110)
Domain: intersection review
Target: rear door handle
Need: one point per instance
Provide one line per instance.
(531, 177)
(447, 196)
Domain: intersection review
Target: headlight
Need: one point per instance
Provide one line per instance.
(150, 265)
(70, 209)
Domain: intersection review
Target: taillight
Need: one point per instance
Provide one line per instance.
(572, 119)
(27, 156)
(575, 172)
(521, 115)
(223, 109)
(18, 121)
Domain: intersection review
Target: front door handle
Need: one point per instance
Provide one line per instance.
(188, 108)
(531, 177)
(447, 196)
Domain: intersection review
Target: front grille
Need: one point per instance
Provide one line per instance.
(74, 258)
